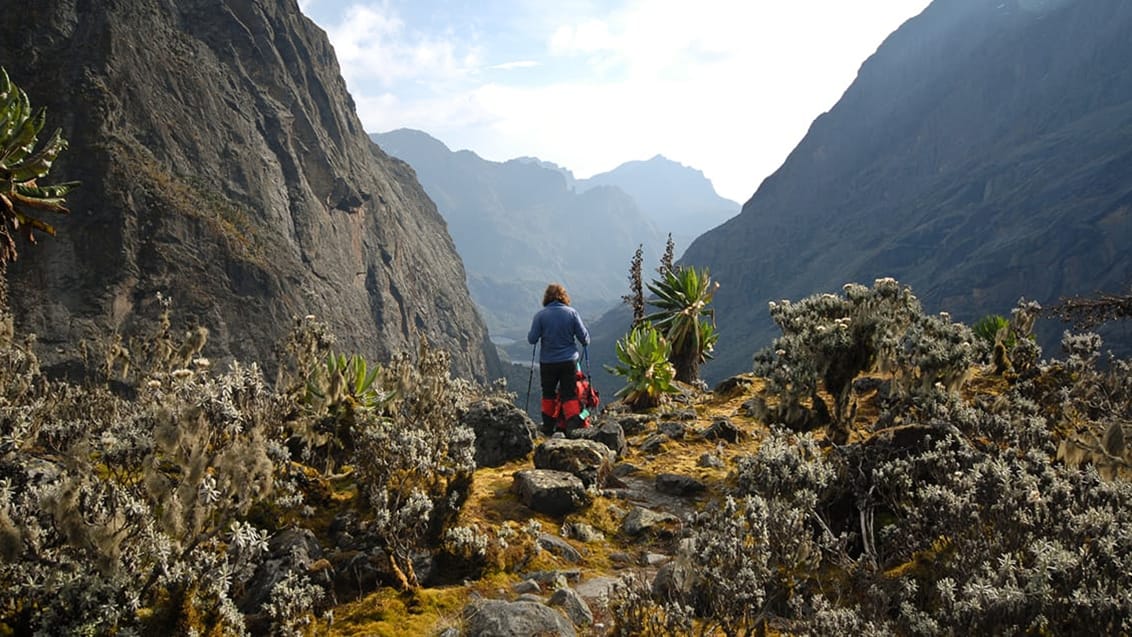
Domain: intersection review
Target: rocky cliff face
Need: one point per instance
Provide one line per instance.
(223, 165)
(981, 155)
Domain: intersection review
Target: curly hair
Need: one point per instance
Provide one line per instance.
(555, 292)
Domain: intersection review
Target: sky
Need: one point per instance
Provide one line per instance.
(728, 87)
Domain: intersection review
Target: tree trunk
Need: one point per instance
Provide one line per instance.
(687, 366)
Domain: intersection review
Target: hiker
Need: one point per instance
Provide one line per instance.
(557, 325)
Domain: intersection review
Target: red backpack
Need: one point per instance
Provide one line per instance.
(587, 396)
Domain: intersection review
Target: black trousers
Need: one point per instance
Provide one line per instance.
(557, 377)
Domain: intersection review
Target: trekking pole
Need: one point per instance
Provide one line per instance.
(586, 355)
(527, 407)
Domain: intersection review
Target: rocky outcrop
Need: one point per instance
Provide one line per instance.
(551, 492)
(496, 618)
(224, 166)
(503, 431)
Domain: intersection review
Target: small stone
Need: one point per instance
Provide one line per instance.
(526, 586)
(675, 484)
(621, 558)
(681, 414)
(654, 443)
(641, 520)
(582, 532)
(723, 429)
(674, 430)
(623, 469)
(710, 460)
(559, 547)
(654, 559)
(575, 607)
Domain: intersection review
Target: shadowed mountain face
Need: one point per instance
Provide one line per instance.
(983, 154)
(223, 165)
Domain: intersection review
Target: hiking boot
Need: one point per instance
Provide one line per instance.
(548, 425)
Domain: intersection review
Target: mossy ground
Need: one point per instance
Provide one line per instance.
(492, 503)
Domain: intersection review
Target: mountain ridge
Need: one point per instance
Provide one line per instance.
(979, 157)
(526, 208)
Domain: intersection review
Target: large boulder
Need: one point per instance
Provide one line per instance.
(503, 432)
(497, 618)
(608, 432)
(591, 461)
(554, 493)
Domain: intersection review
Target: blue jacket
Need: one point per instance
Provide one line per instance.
(558, 325)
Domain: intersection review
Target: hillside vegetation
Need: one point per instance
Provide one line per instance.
(884, 472)
(880, 471)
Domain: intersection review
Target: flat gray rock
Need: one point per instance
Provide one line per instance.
(496, 618)
(551, 492)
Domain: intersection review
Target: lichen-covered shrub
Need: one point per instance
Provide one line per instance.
(951, 515)
(472, 552)
(637, 612)
(110, 505)
(829, 340)
(413, 460)
(142, 499)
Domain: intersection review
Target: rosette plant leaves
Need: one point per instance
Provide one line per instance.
(683, 298)
(22, 199)
(643, 356)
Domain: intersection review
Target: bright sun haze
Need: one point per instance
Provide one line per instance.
(725, 87)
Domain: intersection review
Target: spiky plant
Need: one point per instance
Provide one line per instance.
(338, 392)
(21, 198)
(668, 257)
(988, 328)
(683, 297)
(636, 297)
(345, 384)
(644, 363)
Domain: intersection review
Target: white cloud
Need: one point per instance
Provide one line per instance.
(372, 42)
(588, 36)
(726, 87)
(518, 64)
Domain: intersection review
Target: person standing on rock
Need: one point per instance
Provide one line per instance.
(557, 325)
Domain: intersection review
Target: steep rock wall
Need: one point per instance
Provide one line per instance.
(223, 164)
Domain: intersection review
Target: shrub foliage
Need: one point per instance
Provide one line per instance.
(954, 512)
(143, 497)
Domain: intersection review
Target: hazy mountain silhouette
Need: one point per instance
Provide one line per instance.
(678, 199)
(522, 223)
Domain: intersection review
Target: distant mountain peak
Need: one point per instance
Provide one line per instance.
(411, 137)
